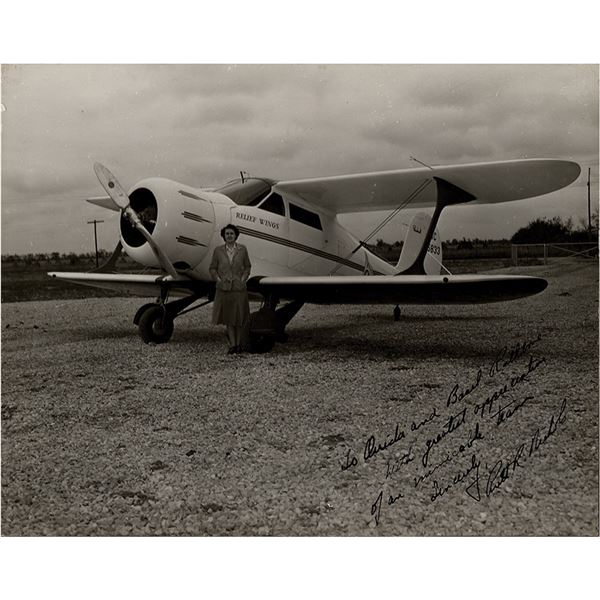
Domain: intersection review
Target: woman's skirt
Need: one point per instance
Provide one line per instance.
(231, 308)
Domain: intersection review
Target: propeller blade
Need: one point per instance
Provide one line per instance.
(160, 255)
(112, 187)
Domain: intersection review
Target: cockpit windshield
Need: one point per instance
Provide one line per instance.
(248, 192)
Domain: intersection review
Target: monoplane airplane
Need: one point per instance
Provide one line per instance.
(299, 251)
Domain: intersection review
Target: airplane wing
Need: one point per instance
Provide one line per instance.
(138, 285)
(363, 289)
(405, 289)
(489, 182)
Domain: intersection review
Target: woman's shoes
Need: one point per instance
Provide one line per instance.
(235, 350)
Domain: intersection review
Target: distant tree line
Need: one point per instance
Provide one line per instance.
(539, 231)
(555, 231)
(57, 258)
(54, 257)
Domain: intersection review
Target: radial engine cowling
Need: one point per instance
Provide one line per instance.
(179, 219)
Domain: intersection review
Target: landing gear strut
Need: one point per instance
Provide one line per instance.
(155, 320)
(267, 325)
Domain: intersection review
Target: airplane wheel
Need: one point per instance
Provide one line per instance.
(264, 330)
(261, 343)
(155, 326)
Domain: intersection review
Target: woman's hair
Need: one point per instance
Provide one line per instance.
(233, 228)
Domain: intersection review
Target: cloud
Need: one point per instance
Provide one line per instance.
(202, 124)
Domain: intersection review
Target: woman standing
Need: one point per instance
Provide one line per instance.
(230, 268)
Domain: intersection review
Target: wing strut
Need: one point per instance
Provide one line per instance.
(363, 243)
(447, 195)
(110, 266)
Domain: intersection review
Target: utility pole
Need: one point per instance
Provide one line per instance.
(95, 237)
(589, 205)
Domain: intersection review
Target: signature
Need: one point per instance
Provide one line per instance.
(506, 467)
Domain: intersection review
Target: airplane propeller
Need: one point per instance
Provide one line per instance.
(121, 200)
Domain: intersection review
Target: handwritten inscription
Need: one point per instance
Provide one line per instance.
(452, 424)
(416, 426)
(376, 506)
(456, 395)
(393, 464)
(450, 456)
(372, 447)
(509, 354)
(440, 489)
(485, 408)
(452, 449)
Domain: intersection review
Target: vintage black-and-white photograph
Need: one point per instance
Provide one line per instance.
(299, 300)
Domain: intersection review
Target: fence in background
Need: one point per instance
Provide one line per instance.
(573, 250)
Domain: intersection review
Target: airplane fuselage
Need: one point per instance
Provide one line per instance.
(284, 237)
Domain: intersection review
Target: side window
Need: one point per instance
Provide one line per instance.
(305, 216)
(274, 204)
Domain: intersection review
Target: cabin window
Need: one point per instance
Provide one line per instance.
(249, 192)
(256, 201)
(274, 204)
(305, 216)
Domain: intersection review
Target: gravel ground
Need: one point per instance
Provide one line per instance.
(104, 435)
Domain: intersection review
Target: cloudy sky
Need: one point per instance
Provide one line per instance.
(202, 124)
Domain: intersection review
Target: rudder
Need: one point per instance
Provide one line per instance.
(413, 243)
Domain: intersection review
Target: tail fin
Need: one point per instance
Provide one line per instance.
(413, 243)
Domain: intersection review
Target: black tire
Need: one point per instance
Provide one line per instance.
(265, 329)
(261, 343)
(155, 325)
